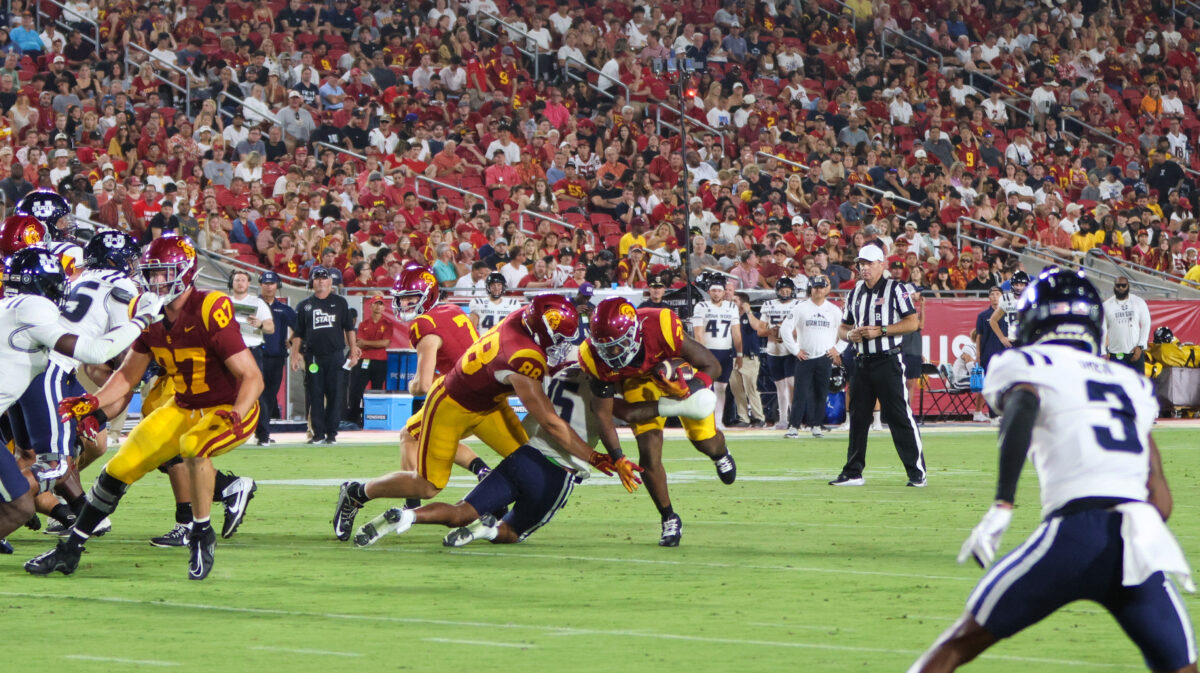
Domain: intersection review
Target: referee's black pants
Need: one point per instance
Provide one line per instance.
(881, 377)
(326, 394)
(273, 368)
(811, 391)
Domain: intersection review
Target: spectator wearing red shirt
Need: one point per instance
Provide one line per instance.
(376, 193)
(374, 337)
(500, 175)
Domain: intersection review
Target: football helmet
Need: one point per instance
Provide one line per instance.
(782, 284)
(1164, 335)
(837, 379)
(1061, 307)
(414, 292)
(495, 278)
(21, 231)
(52, 210)
(35, 270)
(174, 256)
(112, 250)
(1018, 278)
(616, 332)
(710, 279)
(553, 322)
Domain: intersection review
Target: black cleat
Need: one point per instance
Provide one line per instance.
(177, 537)
(315, 440)
(200, 554)
(672, 530)
(726, 468)
(34, 523)
(5, 547)
(59, 528)
(343, 515)
(236, 498)
(64, 558)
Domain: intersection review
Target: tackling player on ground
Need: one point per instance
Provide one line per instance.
(215, 407)
(1085, 423)
(537, 479)
(441, 334)
(472, 399)
(623, 355)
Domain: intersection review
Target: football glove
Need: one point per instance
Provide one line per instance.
(71, 408)
(146, 309)
(231, 418)
(47, 470)
(627, 470)
(984, 539)
(679, 379)
(601, 462)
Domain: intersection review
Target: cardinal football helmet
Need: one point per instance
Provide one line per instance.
(414, 283)
(616, 332)
(553, 322)
(168, 267)
(21, 231)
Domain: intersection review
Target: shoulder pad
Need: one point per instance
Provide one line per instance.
(121, 296)
(217, 308)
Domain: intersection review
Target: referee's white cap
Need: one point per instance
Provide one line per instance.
(871, 253)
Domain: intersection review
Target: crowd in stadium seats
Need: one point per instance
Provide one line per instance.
(544, 136)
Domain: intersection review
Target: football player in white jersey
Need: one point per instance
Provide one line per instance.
(98, 302)
(716, 325)
(1008, 307)
(537, 478)
(487, 312)
(780, 364)
(34, 287)
(1085, 423)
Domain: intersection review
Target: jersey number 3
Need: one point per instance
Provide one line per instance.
(1122, 413)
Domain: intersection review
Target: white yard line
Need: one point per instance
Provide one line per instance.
(484, 643)
(545, 629)
(295, 650)
(120, 660)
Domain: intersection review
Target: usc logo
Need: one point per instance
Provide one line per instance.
(187, 248)
(553, 318)
(31, 235)
(628, 311)
(429, 279)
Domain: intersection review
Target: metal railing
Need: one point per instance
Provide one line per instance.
(185, 88)
(575, 76)
(883, 45)
(446, 185)
(241, 101)
(64, 22)
(1181, 13)
(1168, 279)
(685, 118)
(343, 150)
(860, 185)
(552, 220)
(537, 50)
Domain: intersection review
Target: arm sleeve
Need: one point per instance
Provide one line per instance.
(1016, 430)
(1144, 320)
(101, 349)
(787, 333)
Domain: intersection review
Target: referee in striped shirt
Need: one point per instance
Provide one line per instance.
(878, 312)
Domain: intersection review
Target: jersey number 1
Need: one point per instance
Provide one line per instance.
(1123, 413)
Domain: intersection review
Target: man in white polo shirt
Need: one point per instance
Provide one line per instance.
(1126, 326)
(811, 336)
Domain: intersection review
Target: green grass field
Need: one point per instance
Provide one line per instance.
(776, 572)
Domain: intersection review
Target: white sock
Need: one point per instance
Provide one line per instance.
(875, 418)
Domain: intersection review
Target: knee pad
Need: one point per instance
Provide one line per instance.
(107, 492)
(165, 468)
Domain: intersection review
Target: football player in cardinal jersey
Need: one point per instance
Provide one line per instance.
(487, 312)
(1085, 424)
(511, 359)
(441, 334)
(35, 286)
(621, 355)
(215, 408)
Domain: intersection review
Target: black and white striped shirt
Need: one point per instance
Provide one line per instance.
(886, 304)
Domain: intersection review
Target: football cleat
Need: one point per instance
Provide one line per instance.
(916, 483)
(343, 515)
(315, 440)
(64, 558)
(672, 530)
(5, 547)
(328, 441)
(34, 523)
(200, 554)
(236, 498)
(395, 520)
(843, 480)
(792, 433)
(176, 537)
(726, 468)
(479, 476)
(103, 527)
(58, 528)
(483, 528)
(818, 431)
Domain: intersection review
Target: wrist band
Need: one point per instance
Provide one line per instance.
(99, 415)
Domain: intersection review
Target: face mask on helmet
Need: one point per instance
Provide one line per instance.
(619, 352)
(408, 306)
(163, 279)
